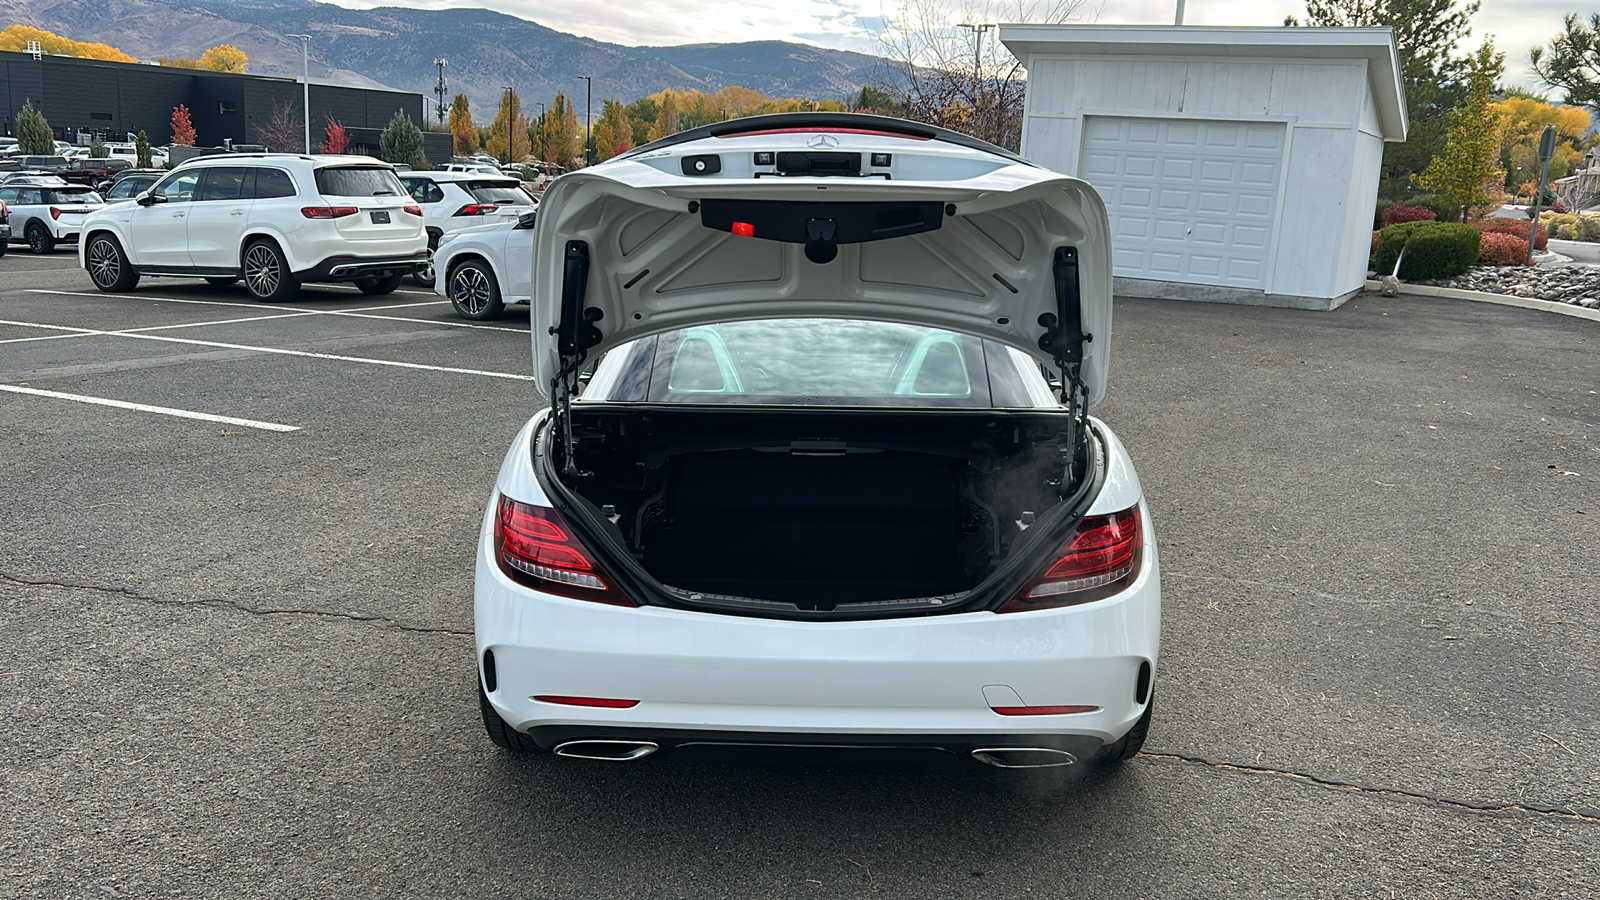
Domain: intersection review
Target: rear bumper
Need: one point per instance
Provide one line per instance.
(351, 268)
(925, 683)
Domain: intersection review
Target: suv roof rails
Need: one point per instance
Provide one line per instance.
(824, 121)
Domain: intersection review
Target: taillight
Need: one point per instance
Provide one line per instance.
(328, 212)
(55, 213)
(535, 547)
(412, 208)
(1101, 558)
(477, 209)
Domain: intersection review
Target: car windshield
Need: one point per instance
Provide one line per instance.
(500, 193)
(821, 362)
(358, 181)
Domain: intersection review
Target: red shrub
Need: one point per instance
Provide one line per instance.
(1499, 249)
(1374, 244)
(1514, 228)
(1396, 214)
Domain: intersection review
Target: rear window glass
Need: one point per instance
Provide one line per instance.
(819, 362)
(272, 183)
(358, 181)
(76, 195)
(504, 194)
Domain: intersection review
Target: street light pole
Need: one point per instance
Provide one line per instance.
(977, 67)
(305, 78)
(588, 100)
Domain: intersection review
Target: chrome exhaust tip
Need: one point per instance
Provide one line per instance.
(609, 751)
(1023, 757)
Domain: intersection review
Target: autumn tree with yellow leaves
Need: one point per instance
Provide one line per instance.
(17, 37)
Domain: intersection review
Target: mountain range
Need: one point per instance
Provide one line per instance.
(487, 51)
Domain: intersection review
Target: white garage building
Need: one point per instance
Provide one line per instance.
(1239, 165)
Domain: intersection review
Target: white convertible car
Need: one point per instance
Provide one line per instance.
(833, 487)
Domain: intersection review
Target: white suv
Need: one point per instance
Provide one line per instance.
(818, 493)
(46, 209)
(461, 198)
(276, 220)
(487, 266)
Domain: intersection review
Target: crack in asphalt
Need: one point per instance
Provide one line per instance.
(1591, 817)
(229, 604)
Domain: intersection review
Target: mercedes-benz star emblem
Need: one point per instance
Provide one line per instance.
(823, 142)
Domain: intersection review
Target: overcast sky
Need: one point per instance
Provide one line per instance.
(1516, 25)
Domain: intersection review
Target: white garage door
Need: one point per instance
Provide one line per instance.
(1190, 201)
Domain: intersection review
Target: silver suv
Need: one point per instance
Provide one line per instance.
(275, 220)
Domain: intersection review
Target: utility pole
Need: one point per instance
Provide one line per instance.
(977, 68)
(305, 78)
(439, 89)
(588, 97)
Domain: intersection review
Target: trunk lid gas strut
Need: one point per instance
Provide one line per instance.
(575, 334)
(1064, 339)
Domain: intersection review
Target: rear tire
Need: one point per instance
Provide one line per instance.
(39, 240)
(424, 276)
(503, 735)
(4, 246)
(266, 273)
(222, 280)
(374, 287)
(473, 291)
(108, 265)
(1118, 752)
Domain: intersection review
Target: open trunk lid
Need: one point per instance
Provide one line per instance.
(713, 229)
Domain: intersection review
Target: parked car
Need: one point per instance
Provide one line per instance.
(123, 189)
(5, 228)
(458, 199)
(486, 266)
(52, 164)
(818, 493)
(93, 172)
(275, 220)
(472, 168)
(46, 210)
(130, 152)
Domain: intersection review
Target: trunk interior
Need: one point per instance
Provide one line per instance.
(817, 508)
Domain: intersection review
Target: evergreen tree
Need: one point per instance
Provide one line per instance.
(401, 142)
(34, 136)
(1573, 62)
(97, 148)
(1468, 171)
(141, 150)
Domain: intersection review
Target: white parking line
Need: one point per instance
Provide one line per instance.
(144, 407)
(277, 350)
(363, 313)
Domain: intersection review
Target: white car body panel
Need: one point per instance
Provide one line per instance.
(506, 248)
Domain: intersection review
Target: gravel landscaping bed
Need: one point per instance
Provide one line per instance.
(1578, 285)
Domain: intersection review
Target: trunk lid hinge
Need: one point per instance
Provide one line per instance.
(1064, 339)
(575, 334)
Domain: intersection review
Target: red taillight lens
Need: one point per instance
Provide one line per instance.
(535, 547)
(1101, 558)
(744, 229)
(328, 212)
(412, 208)
(55, 213)
(477, 209)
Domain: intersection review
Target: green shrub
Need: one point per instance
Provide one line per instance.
(1589, 229)
(1432, 249)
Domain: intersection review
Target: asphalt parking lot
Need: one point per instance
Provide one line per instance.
(235, 656)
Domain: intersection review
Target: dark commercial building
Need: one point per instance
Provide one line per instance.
(115, 99)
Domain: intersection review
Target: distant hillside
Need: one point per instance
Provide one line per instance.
(396, 47)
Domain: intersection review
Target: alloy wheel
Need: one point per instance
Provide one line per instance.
(105, 264)
(470, 290)
(425, 273)
(38, 241)
(261, 270)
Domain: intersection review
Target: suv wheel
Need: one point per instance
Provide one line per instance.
(473, 291)
(108, 265)
(373, 287)
(266, 273)
(424, 276)
(39, 240)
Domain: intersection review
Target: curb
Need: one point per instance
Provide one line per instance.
(1423, 290)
